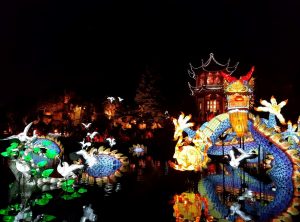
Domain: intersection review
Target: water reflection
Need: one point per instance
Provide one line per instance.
(149, 191)
(189, 206)
(88, 214)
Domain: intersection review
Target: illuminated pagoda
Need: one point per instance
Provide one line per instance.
(209, 92)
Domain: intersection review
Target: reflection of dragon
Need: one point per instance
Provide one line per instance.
(189, 207)
(284, 171)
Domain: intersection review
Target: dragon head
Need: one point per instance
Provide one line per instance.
(239, 94)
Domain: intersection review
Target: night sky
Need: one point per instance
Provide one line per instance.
(101, 47)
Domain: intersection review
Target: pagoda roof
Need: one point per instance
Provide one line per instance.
(212, 65)
(205, 89)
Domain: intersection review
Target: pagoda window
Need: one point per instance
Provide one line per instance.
(217, 80)
(211, 105)
(200, 79)
(210, 79)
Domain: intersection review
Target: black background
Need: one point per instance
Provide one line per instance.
(100, 48)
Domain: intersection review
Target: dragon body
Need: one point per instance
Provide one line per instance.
(284, 172)
(250, 133)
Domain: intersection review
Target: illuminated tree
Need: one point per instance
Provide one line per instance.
(147, 95)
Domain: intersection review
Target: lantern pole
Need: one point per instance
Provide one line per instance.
(222, 137)
(244, 175)
(259, 171)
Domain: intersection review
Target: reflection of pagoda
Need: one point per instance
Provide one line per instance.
(209, 91)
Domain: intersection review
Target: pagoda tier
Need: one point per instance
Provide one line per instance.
(208, 88)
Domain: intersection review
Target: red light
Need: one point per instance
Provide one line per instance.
(239, 98)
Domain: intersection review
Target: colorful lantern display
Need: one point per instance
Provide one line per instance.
(190, 152)
(274, 110)
(142, 125)
(138, 150)
(239, 98)
(104, 165)
(239, 122)
(189, 207)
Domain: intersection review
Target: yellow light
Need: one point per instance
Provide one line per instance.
(142, 125)
(239, 122)
(189, 206)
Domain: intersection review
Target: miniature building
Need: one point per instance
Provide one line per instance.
(208, 89)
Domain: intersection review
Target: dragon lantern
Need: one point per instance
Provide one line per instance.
(239, 93)
(278, 152)
(191, 150)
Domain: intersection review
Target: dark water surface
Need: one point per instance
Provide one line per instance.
(144, 193)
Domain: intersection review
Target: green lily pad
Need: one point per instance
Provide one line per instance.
(47, 173)
(46, 143)
(48, 217)
(47, 195)
(67, 197)
(70, 182)
(14, 145)
(42, 201)
(8, 218)
(75, 195)
(82, 190)
(68, 189)
(5, 154)
(42, 163)
(36, 150)
(33, 172)
(16, 207)
(27, 158)
(51, 154)
(3, 211)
